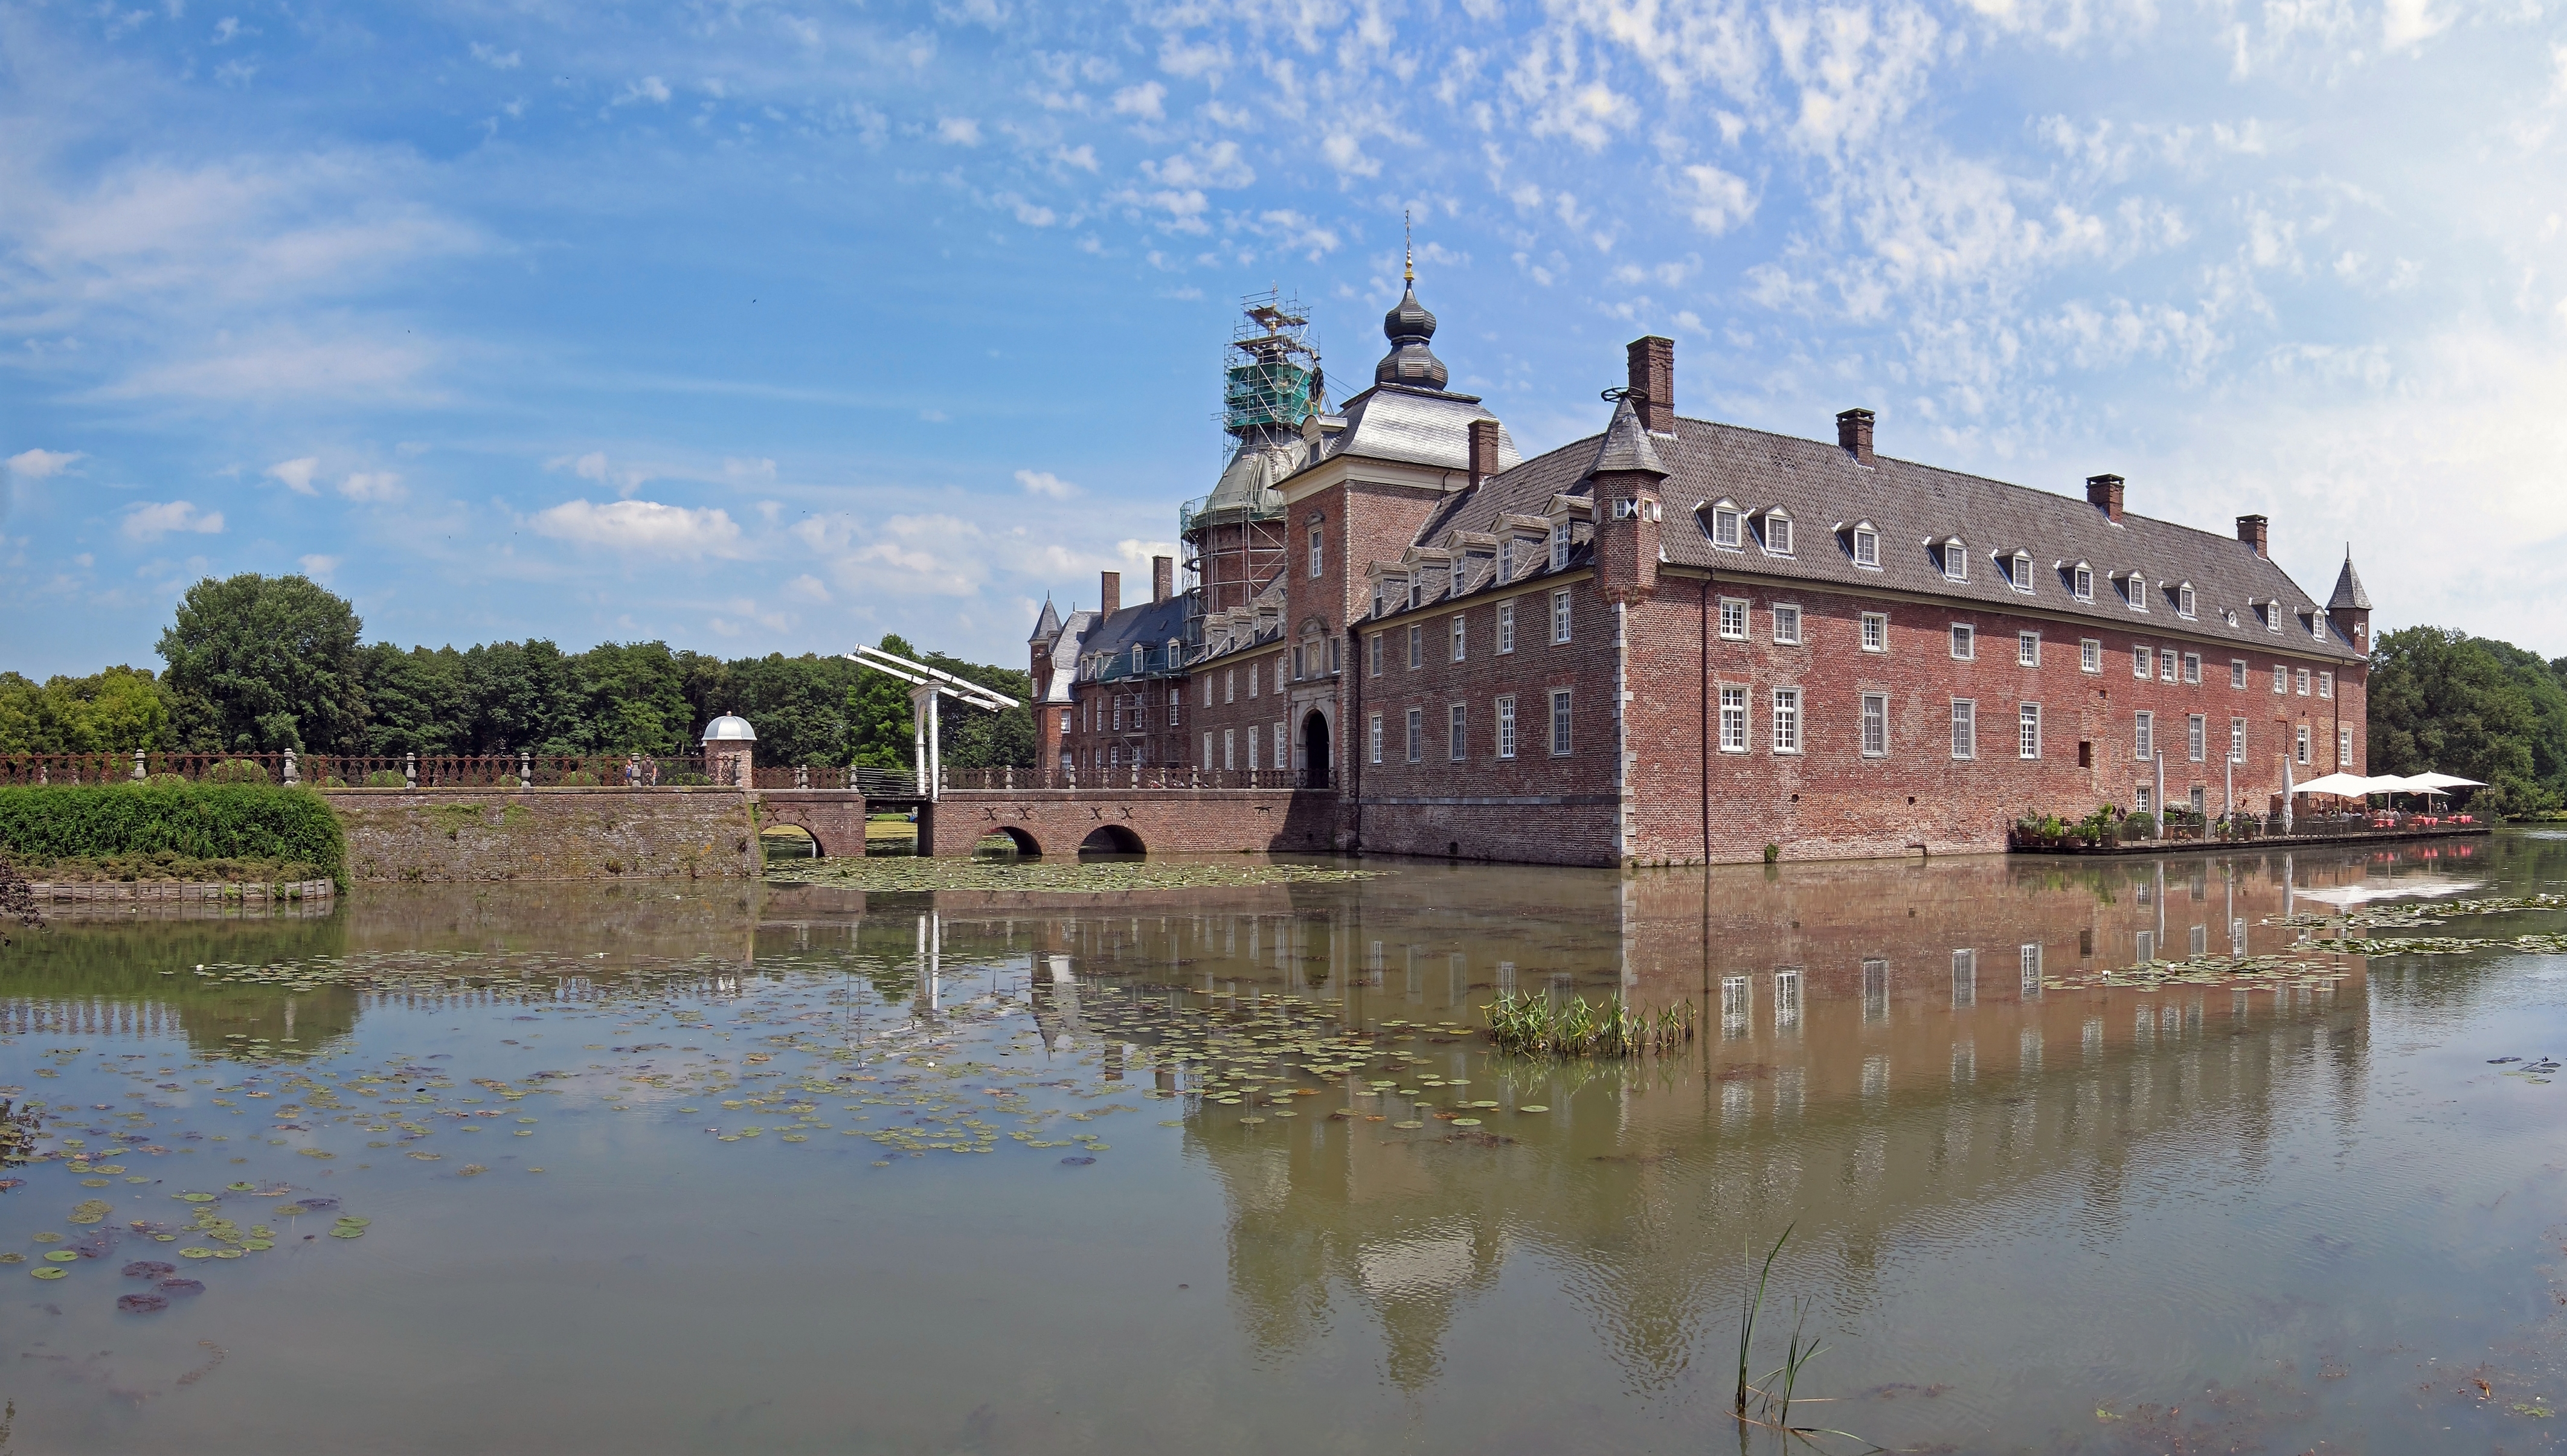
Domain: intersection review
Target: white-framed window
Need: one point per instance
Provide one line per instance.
(2166, 664)
(1966, 640)
(2027, 732)
(2184, 600)
(1506, 627)
(1252, 745)
(1965, 728)
(2031, 962)
(1725, 526)
(1460, 646)
(1777, 534)
(1732, 619)
(2317, 624)
(1560, 545)
(1372, 653)
(1379, 601)
(1318, 551)
(2135, 592)
(1506, 558)
(1560, 615)
(2090, 655)
(1866, 547)
(1118, 712)
(1733, 720)
(1876, 991)
(2144, 662)
(2196, 734)
(2022, 572)
(2143, 735)
(2342, 744)
(1956, 561)
(2144, 798)
(1229, 747)
(1113, 755)
(1787, 719)
(1457, 738)
(1875, 632)
(1507, 725)
(1256, 677)
(2301, 679)
(1416, 590)
(2081, 582)
(2281, 679)
(1560, 723)
(2027, 649)
(2326, 685)
(1416, 646)
(1372, 733)
(1416, 734)
(1876, 724)
(2237, 675)
(1206, 760)
(1965, 993)
(2236, 741)
(1787, 999)
(1230, 685)
(2303, 750)
(1787, 626)
(2193, 666)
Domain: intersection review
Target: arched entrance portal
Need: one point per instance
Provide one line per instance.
(1110, 839)
(1315, 751)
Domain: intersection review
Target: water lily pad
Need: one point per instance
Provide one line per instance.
(93, 1183)
(1531, 1107)
(61, 1256)
(193, 1197)
(240, 1187)
(1411, 1125)
(1252, 1121)
(229, 1254)
(46, 1237)
(49, 1270)
(339, 1232)
(260, 1246)
(196, 1252)
(1466, 1122)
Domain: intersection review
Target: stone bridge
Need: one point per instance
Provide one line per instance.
(1063, 821)
(833, 817)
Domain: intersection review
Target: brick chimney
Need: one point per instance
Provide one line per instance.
(1484, 449)
(2103, 492)
(1652, 363)
(1163, 578)
(1110, 594)
(1854, 435)
(2258, 532)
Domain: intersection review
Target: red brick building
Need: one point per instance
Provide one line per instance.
(1681, 641)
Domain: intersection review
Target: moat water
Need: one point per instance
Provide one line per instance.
(753, 1169)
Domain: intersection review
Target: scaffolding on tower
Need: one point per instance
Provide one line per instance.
(1271, 382)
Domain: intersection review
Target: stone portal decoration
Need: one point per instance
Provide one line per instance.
(728, 744)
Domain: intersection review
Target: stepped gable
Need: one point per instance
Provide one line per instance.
(1826, 492)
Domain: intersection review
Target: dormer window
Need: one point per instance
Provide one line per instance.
(1956, 561)
(1416, 592)
(1724, 519)
(1777, 534)
(2184, 600)
(1867, 547)
(1559, 546)
(2135, 590)
(2317, 624)
(2081, 582)
(1506, 559)
(2023, 572)
(1377, 599)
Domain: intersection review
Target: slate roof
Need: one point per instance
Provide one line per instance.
(1416, 426)
(2349, 595)
(1046, 626)
(1826, 492)
(1151, 624)
(1064, 653)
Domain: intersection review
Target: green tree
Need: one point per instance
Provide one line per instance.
(798, 704)
(632, 699)
(2483, 710)
(115, 710)
(518, 697)
(878, 718)
(263, 663)
(415, 700)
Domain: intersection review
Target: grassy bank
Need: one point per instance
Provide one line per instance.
(171, 831)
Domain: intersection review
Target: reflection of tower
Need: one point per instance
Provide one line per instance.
(1234, 537)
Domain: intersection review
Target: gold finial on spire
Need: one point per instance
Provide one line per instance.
(1408, 244)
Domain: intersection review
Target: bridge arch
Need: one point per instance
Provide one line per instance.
(1112, 839)
(1026, 846)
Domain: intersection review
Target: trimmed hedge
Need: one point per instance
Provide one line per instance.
(197, 820)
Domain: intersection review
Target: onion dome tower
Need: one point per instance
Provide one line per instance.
(1409, 326)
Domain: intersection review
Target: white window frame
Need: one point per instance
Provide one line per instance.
(1319, 550)
(2192, 668)
(2281, 680)
(2342, 744)
(1965, 642)
(1206, 752)
(2082, 582)
(1732, 623)
(1956, 561)
(2137, 593)
(1561, 722)
(2317, 624)
(2326, 685)
(1457, 732)
(2027, 649)
(1506, 628)
(1561, 624)
(1777, 521)
(1786, 704)
(1728, 526)
(2184, 601)
(2196, 737)
(2090, 655)
(1506, 717)
(2236, 741)
(1506, 558)
(1875, 632)
(1373, 731)
(2303, 751)
(1866, 548)
(1559, 546)
(2300, 682)
(1733, 720)
(1416, 740)
(2143, 735)
(1253, 737)
(1965, 729)
(1230, 685)
(1229, 749)
(1787, 624)
(2237, 675)
(2166, 665)
(1282, 739)
(1416, 646)
(2027, 730)
(2022, 572)
(1876, 726)
(1461, 636)
(2144, 662)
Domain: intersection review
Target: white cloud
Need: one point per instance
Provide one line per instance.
(375, 485)
(594, 465)
(319, 568)
(38, 464)
(1045, 483)
(150, 522)
(1215, 166)
(496, 59)
(650, 87)
(296, 473)
(1147, 101)
(807, 588)
(958, 131)
(742, 472)
(1720, 201)
(641, 528)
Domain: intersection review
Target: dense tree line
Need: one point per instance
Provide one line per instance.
(2476, 708)
(263, 663)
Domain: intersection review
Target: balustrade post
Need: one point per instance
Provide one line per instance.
(291, 777)
(139, 775)
(525, 769)
(1008, 776)
(410, 771)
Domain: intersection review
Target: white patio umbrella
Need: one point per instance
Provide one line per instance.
(2437, 783)
(2340, 785)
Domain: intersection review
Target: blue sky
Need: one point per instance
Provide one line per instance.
(776, 326)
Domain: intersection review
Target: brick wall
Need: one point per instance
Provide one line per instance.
(1059, 822)
(548, 834)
